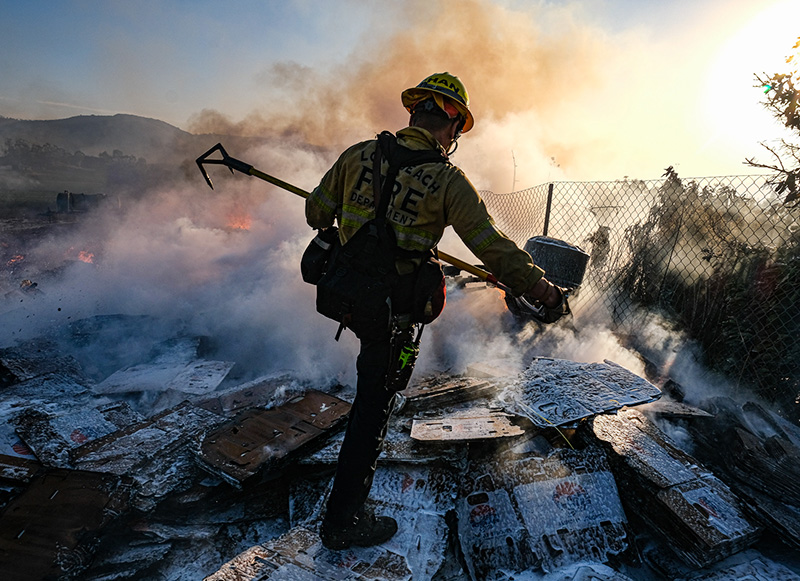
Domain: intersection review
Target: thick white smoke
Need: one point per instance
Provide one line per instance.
(222, 263)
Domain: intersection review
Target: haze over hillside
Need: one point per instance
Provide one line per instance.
(119, 155)
(156, 141)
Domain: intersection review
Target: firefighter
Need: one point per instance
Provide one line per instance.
(427, 198)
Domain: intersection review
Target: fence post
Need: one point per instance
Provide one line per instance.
(547, 210)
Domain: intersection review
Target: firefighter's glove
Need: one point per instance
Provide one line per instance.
(546, 302)
(549, 315)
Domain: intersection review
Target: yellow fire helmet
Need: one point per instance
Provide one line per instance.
(449, 93)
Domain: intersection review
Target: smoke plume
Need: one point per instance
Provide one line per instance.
(535, 79)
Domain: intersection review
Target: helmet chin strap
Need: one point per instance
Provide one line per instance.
(453, 147)
(460, 120)
(454, 144)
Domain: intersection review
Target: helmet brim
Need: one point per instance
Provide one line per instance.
(414, 95)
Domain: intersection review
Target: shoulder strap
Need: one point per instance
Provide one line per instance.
(381, 189)
(398, 156)
(405, 157)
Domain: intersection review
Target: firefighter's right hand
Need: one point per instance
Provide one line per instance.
(544, 293)
(550, 301)
(553, 314)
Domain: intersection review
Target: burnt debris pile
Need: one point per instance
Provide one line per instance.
(164, 464)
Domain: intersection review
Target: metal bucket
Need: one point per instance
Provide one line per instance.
(564, 264)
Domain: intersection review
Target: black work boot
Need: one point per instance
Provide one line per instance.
(365, 530)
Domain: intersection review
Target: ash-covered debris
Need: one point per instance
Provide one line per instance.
(398, 446)
(16, 471)
(190, 533)
(747, 565)
(32, 360)
(51, 530)
(558, 392)
(439, 390)
(454, 408)
(259, 440)
(104, 344)
(762, 449)
(760, 460)
(54, 414)
(697, 514)
(418, 496)
(539, 511)
(174, 372)
(51, 436)
(157, 452)
(299, 554)
(259, 393)
(674, 409)
(475, 423)
(224, 478)
(36, 377)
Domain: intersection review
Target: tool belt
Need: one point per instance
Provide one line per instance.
(357, 283)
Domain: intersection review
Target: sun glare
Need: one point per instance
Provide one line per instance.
(732, 103)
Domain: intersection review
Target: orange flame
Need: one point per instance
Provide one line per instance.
(85, 256)
(15, 259)
(239, 222)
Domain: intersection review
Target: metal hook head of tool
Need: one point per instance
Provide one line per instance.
(203, 159)
(228, 161)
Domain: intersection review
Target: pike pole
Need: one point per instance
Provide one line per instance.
(245, 168)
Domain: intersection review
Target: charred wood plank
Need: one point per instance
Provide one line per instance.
(50, 531)
(259, 440)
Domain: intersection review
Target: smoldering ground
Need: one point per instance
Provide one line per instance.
(225, 264)
(221, 263)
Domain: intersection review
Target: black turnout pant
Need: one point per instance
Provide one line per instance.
(366, 429)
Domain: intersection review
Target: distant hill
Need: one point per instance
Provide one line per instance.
(156, 141)
(99, 154)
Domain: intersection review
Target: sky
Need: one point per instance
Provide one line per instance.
(561, 90)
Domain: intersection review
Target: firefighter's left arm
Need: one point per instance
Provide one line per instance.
(470, 219)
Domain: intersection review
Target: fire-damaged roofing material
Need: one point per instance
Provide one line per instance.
(34, 359)
(441, 390)
(18, 463)
(50, 530)
(760, 459)
(559, 392)
(473, 424)
(746, 566)
(416, 496)
(156, 452)
(253, 394)
(299, 555)
(698, 515)
(195, 377)
(522, 505)
(398, 447)
(14, 470)
(51, 436)
(257, 440)
(533, 512)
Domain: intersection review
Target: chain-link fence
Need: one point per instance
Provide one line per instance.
(718, 256)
